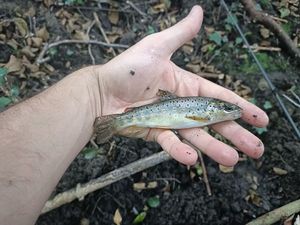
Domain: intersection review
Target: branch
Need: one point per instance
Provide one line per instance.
(277, 214)
(270, 23)
(81, 190)
(40, 59)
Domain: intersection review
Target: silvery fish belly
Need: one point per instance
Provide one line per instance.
(173, 113)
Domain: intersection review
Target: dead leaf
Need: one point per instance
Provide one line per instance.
(28, 51)
(209, 30)
(13, 64)
(254, 197)
(38, 74)
(13, 43)
(49, 67)
(37, 41)
(195, 68)
(113, 17)
(32, 67)
(80, 35)
(43, 33)
(117, 217)
(48, 3)
(279, 171)
(226, 169)
(21, 26)
(30, 12)
(84, 221)
(264, 32)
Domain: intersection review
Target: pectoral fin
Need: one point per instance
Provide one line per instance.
(198, 118)
(134, 131)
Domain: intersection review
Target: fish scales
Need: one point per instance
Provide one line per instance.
(173, 113)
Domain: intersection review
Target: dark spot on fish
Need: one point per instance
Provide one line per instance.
(147, 88)
(132, 72)
(254, 116)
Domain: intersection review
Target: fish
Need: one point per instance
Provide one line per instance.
(171, 112)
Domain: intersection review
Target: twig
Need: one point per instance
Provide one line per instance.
(137, 9)
(277, 214)
(82, 190)
(279, 19)
(40, 59)
(257, 48)
(291, 100)
(98, 23)
(205, 177)
(90, 46)
(269, 23)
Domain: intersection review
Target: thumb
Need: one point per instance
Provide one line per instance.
(174, 37)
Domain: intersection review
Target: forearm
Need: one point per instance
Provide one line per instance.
(39, 139)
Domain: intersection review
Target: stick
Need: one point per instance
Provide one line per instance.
(98, 23)
(205, 177)
(257, 48)
(81, 190)
(271, 24)
(277, 214)
(40, 59)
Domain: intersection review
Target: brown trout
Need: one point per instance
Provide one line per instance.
(171, 112)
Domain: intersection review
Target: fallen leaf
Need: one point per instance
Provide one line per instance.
(80, 35)
(32, 67)
(279, 171)
(43, 33)
(117, 217)
(195, 68)
(37, 41)
(187, 49)
(30, 12)
(28, 52)
(84, 221)
(13, 64)
(264, 32)
(13, 43)
(113, 16)
(139, 218)
(21, 26)
(48, 3)
(153, 202)
(226, 169)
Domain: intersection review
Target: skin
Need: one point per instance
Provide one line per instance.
(42, 135)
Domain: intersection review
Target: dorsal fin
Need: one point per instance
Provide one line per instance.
(165, 95)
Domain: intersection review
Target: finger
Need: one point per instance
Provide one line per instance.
(170, 143)
(191, 84)
(174, 37)
(210, 146)
(241, 138)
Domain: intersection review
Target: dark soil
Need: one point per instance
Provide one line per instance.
(252, 189)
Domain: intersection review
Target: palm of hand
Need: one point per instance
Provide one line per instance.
(134, 77)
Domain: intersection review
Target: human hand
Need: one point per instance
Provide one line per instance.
(134, 77)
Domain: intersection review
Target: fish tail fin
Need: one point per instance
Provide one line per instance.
(104, 128)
